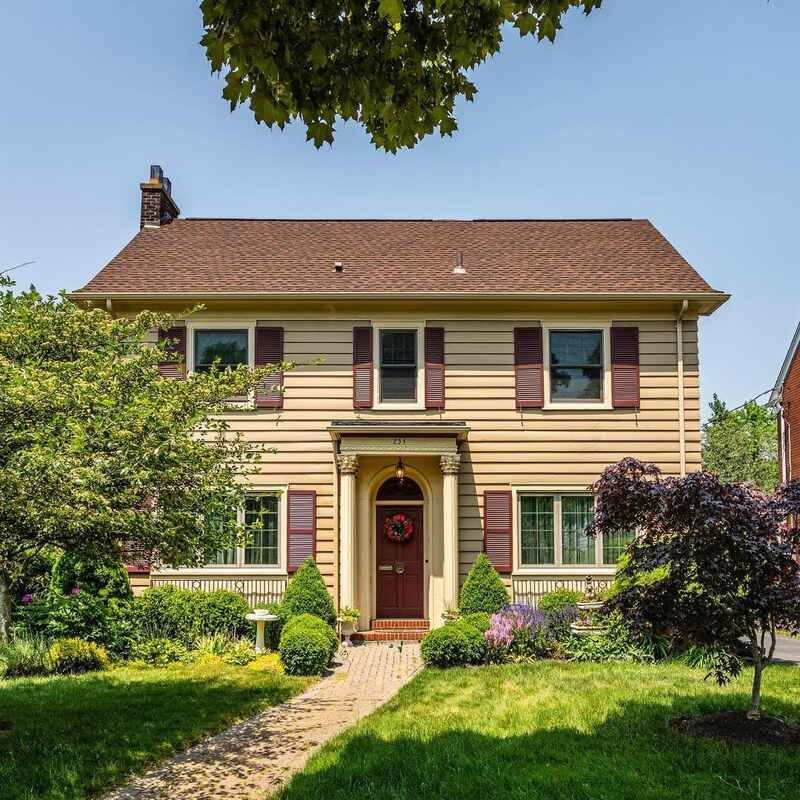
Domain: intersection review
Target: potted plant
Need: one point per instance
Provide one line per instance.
(348, 620)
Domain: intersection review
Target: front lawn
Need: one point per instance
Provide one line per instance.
(70, 737)
(557, 731)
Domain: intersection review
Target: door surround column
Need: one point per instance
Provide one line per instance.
(348, 470)
(450, 465)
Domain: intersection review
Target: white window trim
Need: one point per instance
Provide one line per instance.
(598, 568)
(226, 325)
(578, 405)
(249, 569)
(382, 325)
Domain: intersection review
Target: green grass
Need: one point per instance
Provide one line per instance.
(555, 731)
(71, 737)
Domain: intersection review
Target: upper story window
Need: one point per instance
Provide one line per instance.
(551, 532)
(226, 348)
(577, 365)
(399, 365)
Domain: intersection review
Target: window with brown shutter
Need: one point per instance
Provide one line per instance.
(434, 368)
(497, 529)
(625, 367)
(529, 367)
(362, 367)
(269, 350)
(175, 365)
(301, 527)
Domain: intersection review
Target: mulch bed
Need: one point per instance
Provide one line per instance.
(734, 726)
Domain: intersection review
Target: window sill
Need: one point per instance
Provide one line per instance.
(224, 570)
(398, 407)
(577, 569)
(566, 406)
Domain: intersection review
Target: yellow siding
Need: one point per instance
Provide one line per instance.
(505, 447)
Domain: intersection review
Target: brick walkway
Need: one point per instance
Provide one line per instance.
(258, 755)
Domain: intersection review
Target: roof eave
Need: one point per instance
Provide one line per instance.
(777, 389)
(710, 301)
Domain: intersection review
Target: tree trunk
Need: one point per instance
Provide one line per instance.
(5, 609)
(755, 697)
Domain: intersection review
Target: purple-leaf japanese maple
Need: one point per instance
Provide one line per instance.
(714, 563)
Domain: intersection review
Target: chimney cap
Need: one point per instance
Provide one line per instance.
(156, 173)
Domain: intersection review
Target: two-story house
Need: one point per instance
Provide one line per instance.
(785, 398)
(476, 378)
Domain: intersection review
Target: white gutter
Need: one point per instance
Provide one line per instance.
(681, 398)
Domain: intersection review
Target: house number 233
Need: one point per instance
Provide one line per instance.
(399, 440)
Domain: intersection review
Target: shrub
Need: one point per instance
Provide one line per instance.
(23, 656)
(479, 619)
(185, 615)
(104, 578)
(72, 656)
(483, 589)
(306, 593)
(158, 651)
(559, 600)
(307, 645)
(454, 645)
(240, 652)
(232, 651)
(615, 643)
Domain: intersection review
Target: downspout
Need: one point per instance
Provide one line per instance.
(681, 398)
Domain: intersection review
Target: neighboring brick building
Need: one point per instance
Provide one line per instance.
(786, 399)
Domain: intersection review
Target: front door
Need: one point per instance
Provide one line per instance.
(399, 580)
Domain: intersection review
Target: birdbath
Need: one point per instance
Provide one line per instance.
(261, 618)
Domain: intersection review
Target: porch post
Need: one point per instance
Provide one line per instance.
(348, 469)
(450, 465)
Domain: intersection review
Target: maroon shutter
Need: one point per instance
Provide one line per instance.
(625, 367)
(362, 367)
(269, 350)
(529, 367)
(434, 368)
(175, 364)
(497, 529)
(302, 526)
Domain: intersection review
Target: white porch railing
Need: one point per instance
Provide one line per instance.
(255, 590)
(529, 589)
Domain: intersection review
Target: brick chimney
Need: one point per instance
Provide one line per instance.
(158, 207)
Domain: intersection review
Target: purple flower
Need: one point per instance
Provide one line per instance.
(26, 599)
(512, 619)
(74, 591)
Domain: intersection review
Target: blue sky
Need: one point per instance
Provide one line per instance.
(683, 112)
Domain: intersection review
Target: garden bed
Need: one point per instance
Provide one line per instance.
(735, 726)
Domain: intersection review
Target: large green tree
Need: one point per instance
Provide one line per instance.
(741, 445)
(97, 449)
(396, 67)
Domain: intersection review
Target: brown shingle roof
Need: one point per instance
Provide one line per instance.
(500, 256)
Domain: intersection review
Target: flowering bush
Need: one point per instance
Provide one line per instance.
(520, 632)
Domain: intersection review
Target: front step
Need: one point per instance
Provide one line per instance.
(393, 630)
(387, 624)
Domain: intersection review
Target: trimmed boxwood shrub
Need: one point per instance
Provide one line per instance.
(479, 619)
(185, 615)
(306, 593)
(104, 578)
(454, 645)
(483, 590)
(73, 656)
(307, 645)
(558, 600)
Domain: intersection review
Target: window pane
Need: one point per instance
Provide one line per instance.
(398, 365)
(573, 383)
(576, 348)
(226, 523)
(576, 513)
(615, 544)
(261, 521)
(576, 365)
(229, 348)
(536, 526)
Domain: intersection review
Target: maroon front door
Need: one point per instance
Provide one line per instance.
(399, 581)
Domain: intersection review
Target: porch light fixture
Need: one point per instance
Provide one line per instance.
(400, 470)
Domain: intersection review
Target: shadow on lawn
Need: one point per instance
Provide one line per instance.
(632, 755)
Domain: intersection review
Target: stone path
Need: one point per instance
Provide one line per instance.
(258, 755)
